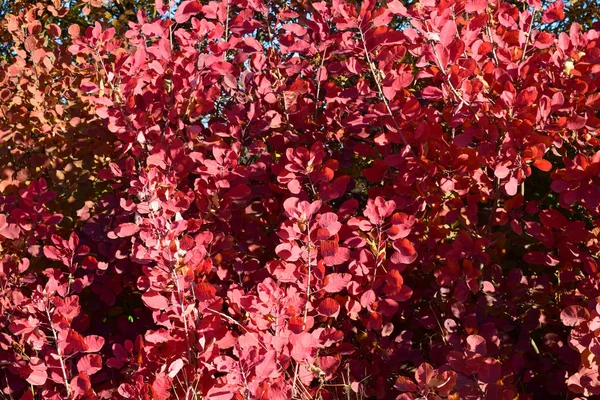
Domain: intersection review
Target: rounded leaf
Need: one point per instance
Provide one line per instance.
(328, 307)
(574, 315)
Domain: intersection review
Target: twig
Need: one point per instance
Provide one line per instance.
(528, 34)
(296, 370)
(59, 353)
(489, 33)
(319, 82)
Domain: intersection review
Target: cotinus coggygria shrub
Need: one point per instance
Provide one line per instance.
(251, 199)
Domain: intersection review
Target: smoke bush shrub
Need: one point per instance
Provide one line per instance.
(248, 199)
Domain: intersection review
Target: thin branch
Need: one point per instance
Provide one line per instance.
(528, 34)
(59, 353)
(319, 83)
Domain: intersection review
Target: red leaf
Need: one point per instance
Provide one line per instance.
(328, 307)
(543, 165)
(329, 248)
(296, 324)
(527, 97)
(205, 291)
(335, 189)
(393, 282)
(404, 384)
(376, 172)
(80, 384)
(186, 10)
(544, 40)
(405, 254)
(554, 12)
(484, 48)
(432, 93)
(323, 234)
(490, 371)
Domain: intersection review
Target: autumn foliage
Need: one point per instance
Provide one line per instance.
(249, 199)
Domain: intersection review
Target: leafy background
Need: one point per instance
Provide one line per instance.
(248, 199)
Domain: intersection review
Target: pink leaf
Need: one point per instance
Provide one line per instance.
(9, 231)
(574, 315)
(335, 282)
(501, 171)
(126, 229)
(511, 186)
(448, 33)
(38, 372)
(367, 298)
(175, 367)
(219, 393)
(476, 6)
(378, 210)
(424, 373)
(90, 364)
(397, 7)
(295, 29)
(476, 344)
(52, 253)
(155, 301)
(160, 6)
(37, 378)
(382, 19)
(94, 343)
(267, 366)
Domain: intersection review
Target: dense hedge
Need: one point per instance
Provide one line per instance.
(248, 199)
